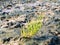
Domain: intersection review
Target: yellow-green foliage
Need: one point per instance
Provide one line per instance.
(32, 27)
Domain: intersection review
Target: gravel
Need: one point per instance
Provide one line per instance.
(14, 14)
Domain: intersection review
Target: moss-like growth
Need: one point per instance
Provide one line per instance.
(32, 28)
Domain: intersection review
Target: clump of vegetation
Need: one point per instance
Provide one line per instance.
(32, 27)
